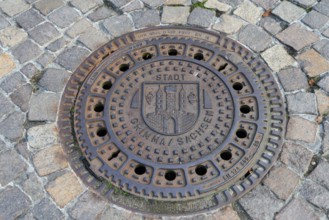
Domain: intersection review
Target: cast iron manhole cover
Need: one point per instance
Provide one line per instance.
(172, 120)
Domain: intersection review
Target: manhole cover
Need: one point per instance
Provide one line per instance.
(172, 120)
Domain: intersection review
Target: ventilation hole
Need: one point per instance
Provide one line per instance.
(172, 52)
(245, 109)
(241, 133)
(170, 175)
(101, 132)
(147, 56)
(226, 155)
(99, 107)
(222, 67)
(198, 56)
(140, 170)
(124, 67)
(237, 86)
(114, 155)
(107, 85)
(201, 170)
(247, 174)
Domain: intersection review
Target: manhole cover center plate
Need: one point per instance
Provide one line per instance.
(173, 114)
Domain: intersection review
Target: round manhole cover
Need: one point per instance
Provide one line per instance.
(170, 120)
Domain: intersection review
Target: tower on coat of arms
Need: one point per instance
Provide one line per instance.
(171, 112)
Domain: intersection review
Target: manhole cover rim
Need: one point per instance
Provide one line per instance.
(67, 103)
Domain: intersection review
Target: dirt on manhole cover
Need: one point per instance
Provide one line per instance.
(172, 120)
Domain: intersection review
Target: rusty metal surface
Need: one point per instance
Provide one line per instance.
(174, 115)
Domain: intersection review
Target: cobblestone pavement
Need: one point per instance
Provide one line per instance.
(43, 41)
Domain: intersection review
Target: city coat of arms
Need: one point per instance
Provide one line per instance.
(170, 108)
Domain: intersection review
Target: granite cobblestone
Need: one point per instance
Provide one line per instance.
(43, 41)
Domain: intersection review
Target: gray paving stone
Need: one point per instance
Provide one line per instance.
(201, 17)
(93, 39)
(218, 6)
(27, 216)
(249, 12)
(260, 203)
(12, 82)
(31, 1)
(54, 79)
(296, 157)
(30, 70)
(101, 13)
(324, 83)
(12, 126)
(292, 79)
(267, 4)
(323, 48)
(6, 106)
(12, 166)
(83, 5)
(118, 214)
(320, 174)
(315, 20)
(302, 103)
(315, 194)
(326, 33)
(79, 28)
(12, 36)
(42, 136)
(323, 102)
(47, 6)
(323, 7)
(306, 3)
(21, 97)
(118, 25)
(146, 18)
(13, 203)
(13, 7)
(178, 2)
(44, 33)
(153, 3)
(297, 209)
(22, 150)
(181, 12)
(72, 57)
(280, 174)
(228, 24)
(233, 3)
(3, 23)
(29, 19)
(3, 146)
(288, 11)
(43, 107)
(117, 3)
(326, 137)
(255, 38)
(277, 58)
(271, 25)
(300, 129)
(32, 186)
(64, 16)
(45, 59)
(26, 51)
(45, 209)
(133, 6)
(297, 36)
(89, 206)
(57, 44)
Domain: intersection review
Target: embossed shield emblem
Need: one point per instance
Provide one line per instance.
(170, 108)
